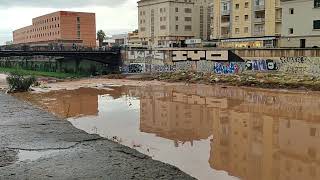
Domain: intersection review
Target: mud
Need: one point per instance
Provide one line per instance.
(72, 153)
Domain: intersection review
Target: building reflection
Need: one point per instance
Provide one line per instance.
(70, 103)
(254, 134)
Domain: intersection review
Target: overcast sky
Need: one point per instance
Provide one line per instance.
(113, 16)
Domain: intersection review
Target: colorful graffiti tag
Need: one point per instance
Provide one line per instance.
(226, 68)
(261, 65)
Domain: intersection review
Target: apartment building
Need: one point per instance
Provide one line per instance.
(60, 28)
(301, 23)
(134, 39)
(169, 23)
(246, 23)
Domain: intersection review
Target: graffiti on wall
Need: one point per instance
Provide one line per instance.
(135, 68)
(146, 55)
(226, 68)
(261, 65)
(205, 66)
(200, 55)
(219, 62)
(300, 65)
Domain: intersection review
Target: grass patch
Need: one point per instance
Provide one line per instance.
(24, 72)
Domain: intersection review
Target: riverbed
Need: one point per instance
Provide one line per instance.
(209, 132)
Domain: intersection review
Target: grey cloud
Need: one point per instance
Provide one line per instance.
(60, 3)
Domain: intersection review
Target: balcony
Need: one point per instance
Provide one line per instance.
(278, 19)
(259, 20)
(225, 13)
(225, 36)
(225, 24)
(259, 7)
(259, 33)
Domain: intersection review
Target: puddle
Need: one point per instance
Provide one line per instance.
(208, 132)
(35, 155)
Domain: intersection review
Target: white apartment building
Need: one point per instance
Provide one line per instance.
(301, 23)
(169, 23)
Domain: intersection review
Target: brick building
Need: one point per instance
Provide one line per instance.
(59, 29)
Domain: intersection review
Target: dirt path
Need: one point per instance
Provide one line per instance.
(36, 145)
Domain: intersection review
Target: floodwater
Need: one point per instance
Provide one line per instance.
(208, 132)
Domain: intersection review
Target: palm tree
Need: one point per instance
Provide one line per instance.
(101, 36)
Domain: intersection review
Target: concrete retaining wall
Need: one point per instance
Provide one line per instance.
(289, 61)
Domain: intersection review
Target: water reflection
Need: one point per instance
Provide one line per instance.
(206, 131)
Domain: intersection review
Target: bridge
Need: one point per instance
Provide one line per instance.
(106, 57)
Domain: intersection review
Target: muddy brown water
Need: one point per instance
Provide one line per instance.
(208, 132)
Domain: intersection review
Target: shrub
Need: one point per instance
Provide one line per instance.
(19, 83)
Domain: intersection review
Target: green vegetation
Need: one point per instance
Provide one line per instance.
(58, 75)
(20, 83)
(101, 36)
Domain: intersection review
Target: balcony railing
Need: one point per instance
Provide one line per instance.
(259, 7)
(259, 20)
(278, 19)
(259, 33)
(225, 13)
(225, 36)
(225, 24)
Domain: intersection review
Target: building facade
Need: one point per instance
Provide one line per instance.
(301, 23)
(134, 39)
(168, 23)
(60, 28)
(246, 23)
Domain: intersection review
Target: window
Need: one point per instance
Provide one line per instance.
(246, 17)
(237, 18)
(246, 29)
(237, 6)
(188, 19)
(177, 27)
(291, 11)
(225, 6)
(316, 3)
(316, 24)
(188, 10)
(246, 4)
(177, 18)
(188, 28)
(290, 30)
(78, 19)
(163, 27)
(177, 9)
(237, 30)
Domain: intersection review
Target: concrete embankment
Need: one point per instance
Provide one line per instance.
(36, 145)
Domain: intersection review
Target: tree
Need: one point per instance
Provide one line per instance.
(101, 36)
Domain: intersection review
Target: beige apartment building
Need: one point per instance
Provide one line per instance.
(247, 23)
(134, 40)
(169, 23)
(59, 28)
(301, 23)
